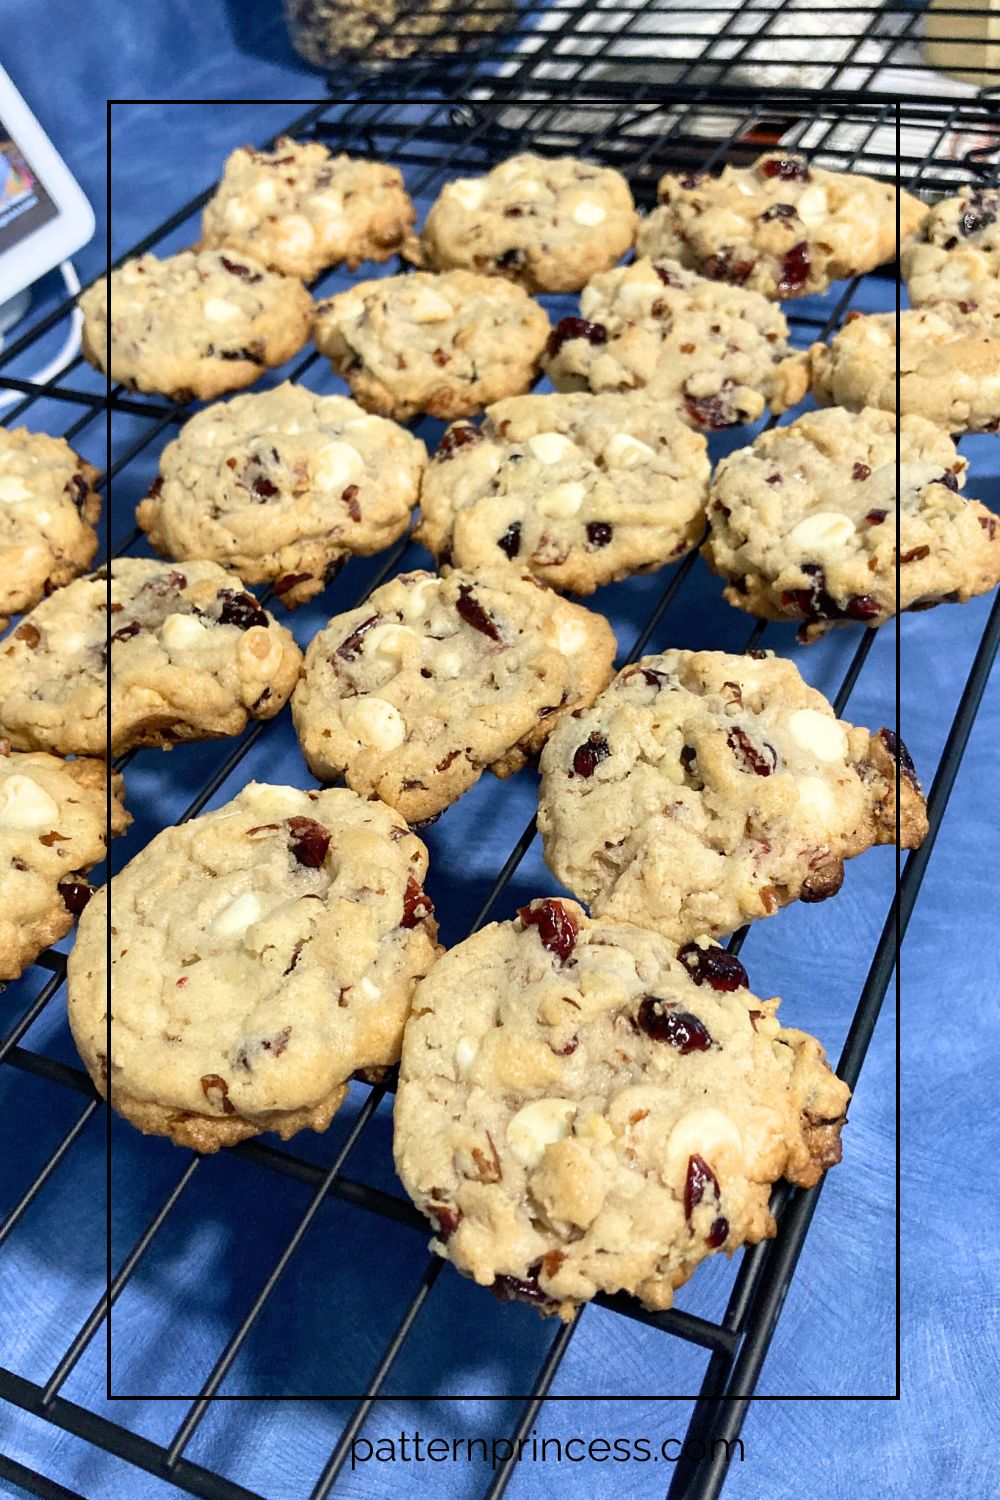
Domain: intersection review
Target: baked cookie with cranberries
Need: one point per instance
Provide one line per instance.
(954, 256)
(444, 344)
(282, 486)
(261, 954)
(195, 324)
(780, 227)
(54, 817)
(704, 790)
(802, 524)
(192, 656)
(713, 355)
(579, 490)
(549, 223)
(416, 692)
(583, 1109)
(48, 510)
(299, 209)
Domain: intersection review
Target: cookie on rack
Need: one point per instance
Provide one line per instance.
(48, 510)
(261, 955)
(444, 344)
(781, 227)
(955, 254)
(416, 692)
(299, 210)
(583, 1110)
(54, 816)
(802, 524)
(549, 223)
(703, 790)
(281, 486)
(195, 324)
(948, 366)
(579, 490)
(713, 354)
(193, 656)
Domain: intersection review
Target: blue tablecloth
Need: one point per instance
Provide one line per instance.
(351, 1280)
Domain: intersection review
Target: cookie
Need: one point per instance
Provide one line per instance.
(281, 486)
(781, 227)
(196, 324)
(412, 695)
(447, 345)
(299, 210)
(53, 829)
(803, 523)
(261, 954)
(549, 223)
(583, 1110)
(48, 510)
(707, 352)
(703, 790)
(955, 254)
(192, 657)
(948, 365)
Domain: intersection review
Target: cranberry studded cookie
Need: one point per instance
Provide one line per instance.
(192, 657)
(261, 954)
(948, 364)
(53, 823)
(802, 525)
(447, 345)
(281, 486)
(584, 1110)
(781, 227)
(412, 695)
(196, 324)
(48, 510)
(298, 210)
(955, 254)
(580, 490)
(709, 353)
(703, 790)
(548, 223)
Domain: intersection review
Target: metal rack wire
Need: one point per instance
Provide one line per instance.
(435, 141)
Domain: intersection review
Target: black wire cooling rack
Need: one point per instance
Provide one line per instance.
(433, 141)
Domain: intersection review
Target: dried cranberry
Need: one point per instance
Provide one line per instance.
(700, 1178)
(862, 607)
(351, 645)
(556, 926)
(712, 411)
(510, 260)
(900, 754)
(950, 481)
(979, 215)
(771, 479)
(247, 356)
(212, 1083)
(788, 168)
(350, 499)
(162, 584)
(718, 1233)
(692, 180)
(127, 631)
(308, 841)
(289, 581)
(447, 1219)
(264, 489)
(473, 613)
(589, 755)
(75, 895)
(235, 269)
(521, 1288)
(722, 267)
(860, 471)
(599, 533)
(460, 436)
(714, 966)
(758, 762)
(513, 212)
(510, 542)
(778, 211)
(678, 1027)
(875, 517)
(154, 488)
(667, 276)
(240, 609)
(575, 328)
(795, 267)
(417, 905)
(915, 554)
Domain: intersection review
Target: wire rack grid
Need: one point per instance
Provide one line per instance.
(432, 142)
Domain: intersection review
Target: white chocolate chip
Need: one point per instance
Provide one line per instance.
(448, 663)
(468, 191)
(217, 310)
(562, 502)
(178, 632)
(827, 528)
(235, 918)
(551, 447)
(627, 450)
(707, 1133)
(426, 306)
(347, 309)
(812, 208)
(24, 804)
(279, 800)
(369, 988)
(538, 1125)
(263, 191)
(335, 466)
(420, 597)
(388, 642)
(294, 232)
(13, 490)
(815, 796)
(818, 732)
(568, 635)
(465, 1055)
(239, 214)
(589, 213)
(374, 722)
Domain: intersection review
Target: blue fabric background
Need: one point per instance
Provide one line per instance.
(348, 1286)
